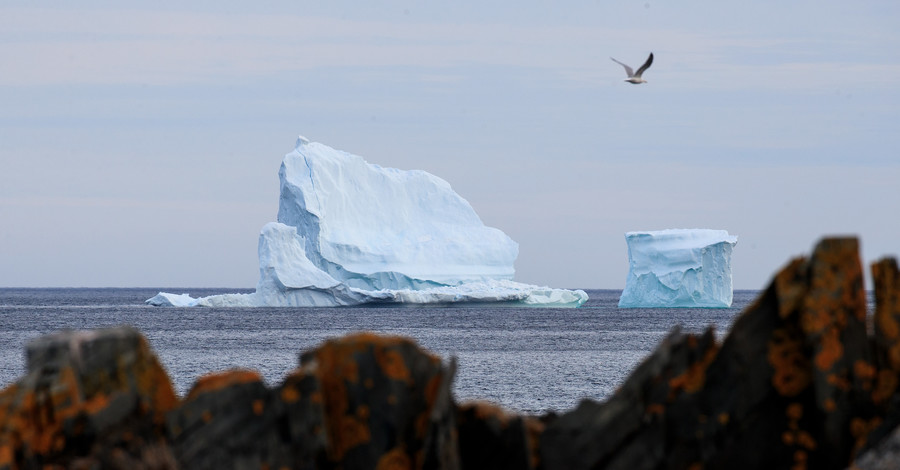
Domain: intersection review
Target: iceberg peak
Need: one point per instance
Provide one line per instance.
(349, 232)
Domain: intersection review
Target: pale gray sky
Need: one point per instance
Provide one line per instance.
(139, 146)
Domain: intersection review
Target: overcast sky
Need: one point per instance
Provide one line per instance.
(139, 146)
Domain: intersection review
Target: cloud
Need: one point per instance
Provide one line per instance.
(56, 46)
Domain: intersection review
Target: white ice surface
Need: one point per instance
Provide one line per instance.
(351, 233)
(679, 268)
(383, 228)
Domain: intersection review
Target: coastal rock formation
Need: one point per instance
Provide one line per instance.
(805, 379)
(794, 377)
(100, 400)
(88, 399)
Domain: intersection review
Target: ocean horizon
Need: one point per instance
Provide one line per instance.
(530, 360)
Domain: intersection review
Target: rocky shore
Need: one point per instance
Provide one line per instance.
(806, 378)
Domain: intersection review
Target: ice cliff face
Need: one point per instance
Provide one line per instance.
(679, 268)
(351, 233)
(382, 228)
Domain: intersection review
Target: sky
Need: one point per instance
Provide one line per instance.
(140, 143)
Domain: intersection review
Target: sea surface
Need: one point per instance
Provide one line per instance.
(529, 360)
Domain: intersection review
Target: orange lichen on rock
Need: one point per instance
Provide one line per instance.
(32, 419)
(837, 280)
(533, 430)
(791, 287)
(486, 411)
(394, 459)
(353, 432)
(893, 355)
(791, 374)
(421, 423)
(797, 437)
(886, 277)
(336, 365)
(794, 411)
(816, 320)
(392, 364)
(491, 436)
(655, 409)
(804, 439)
(800, 458)
(433, 388)
(6, 455)
(692, 380)
(219, 380)
(151, 379)
(354, 370)
(885, 386)
(290, 394)
(864, 370)
(830, 349)
(79, 386)
(860, 429)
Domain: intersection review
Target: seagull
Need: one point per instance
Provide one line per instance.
(635, 78)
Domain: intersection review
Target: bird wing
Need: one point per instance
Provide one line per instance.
(645, 66)
(627, 68)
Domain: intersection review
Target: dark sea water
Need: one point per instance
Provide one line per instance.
(527, 359)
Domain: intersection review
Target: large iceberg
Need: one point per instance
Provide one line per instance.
(679, 268)
(351, 233)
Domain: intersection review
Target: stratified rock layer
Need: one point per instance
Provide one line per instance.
(797, 383)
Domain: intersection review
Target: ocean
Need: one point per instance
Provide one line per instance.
(530, 360)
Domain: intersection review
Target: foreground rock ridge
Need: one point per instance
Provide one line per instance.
(804, 379)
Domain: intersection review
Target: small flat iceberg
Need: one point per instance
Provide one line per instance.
(679, 268)
(351, 233)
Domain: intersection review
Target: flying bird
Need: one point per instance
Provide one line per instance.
(633, 77)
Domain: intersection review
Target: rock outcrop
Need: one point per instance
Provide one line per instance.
(793, 385)
(89, 399)
(806, 378)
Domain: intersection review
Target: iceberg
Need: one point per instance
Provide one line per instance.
(679, 268)
(351, 233)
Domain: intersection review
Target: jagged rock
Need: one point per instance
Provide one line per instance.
(797, 383)
(885, 456)
(790, 387)
(386, 403)
(302, 399)
(491, 437)
(884, 441)
(886, 326)
(630, 429)
(88, 399)
(229, 420)
(362, 401)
